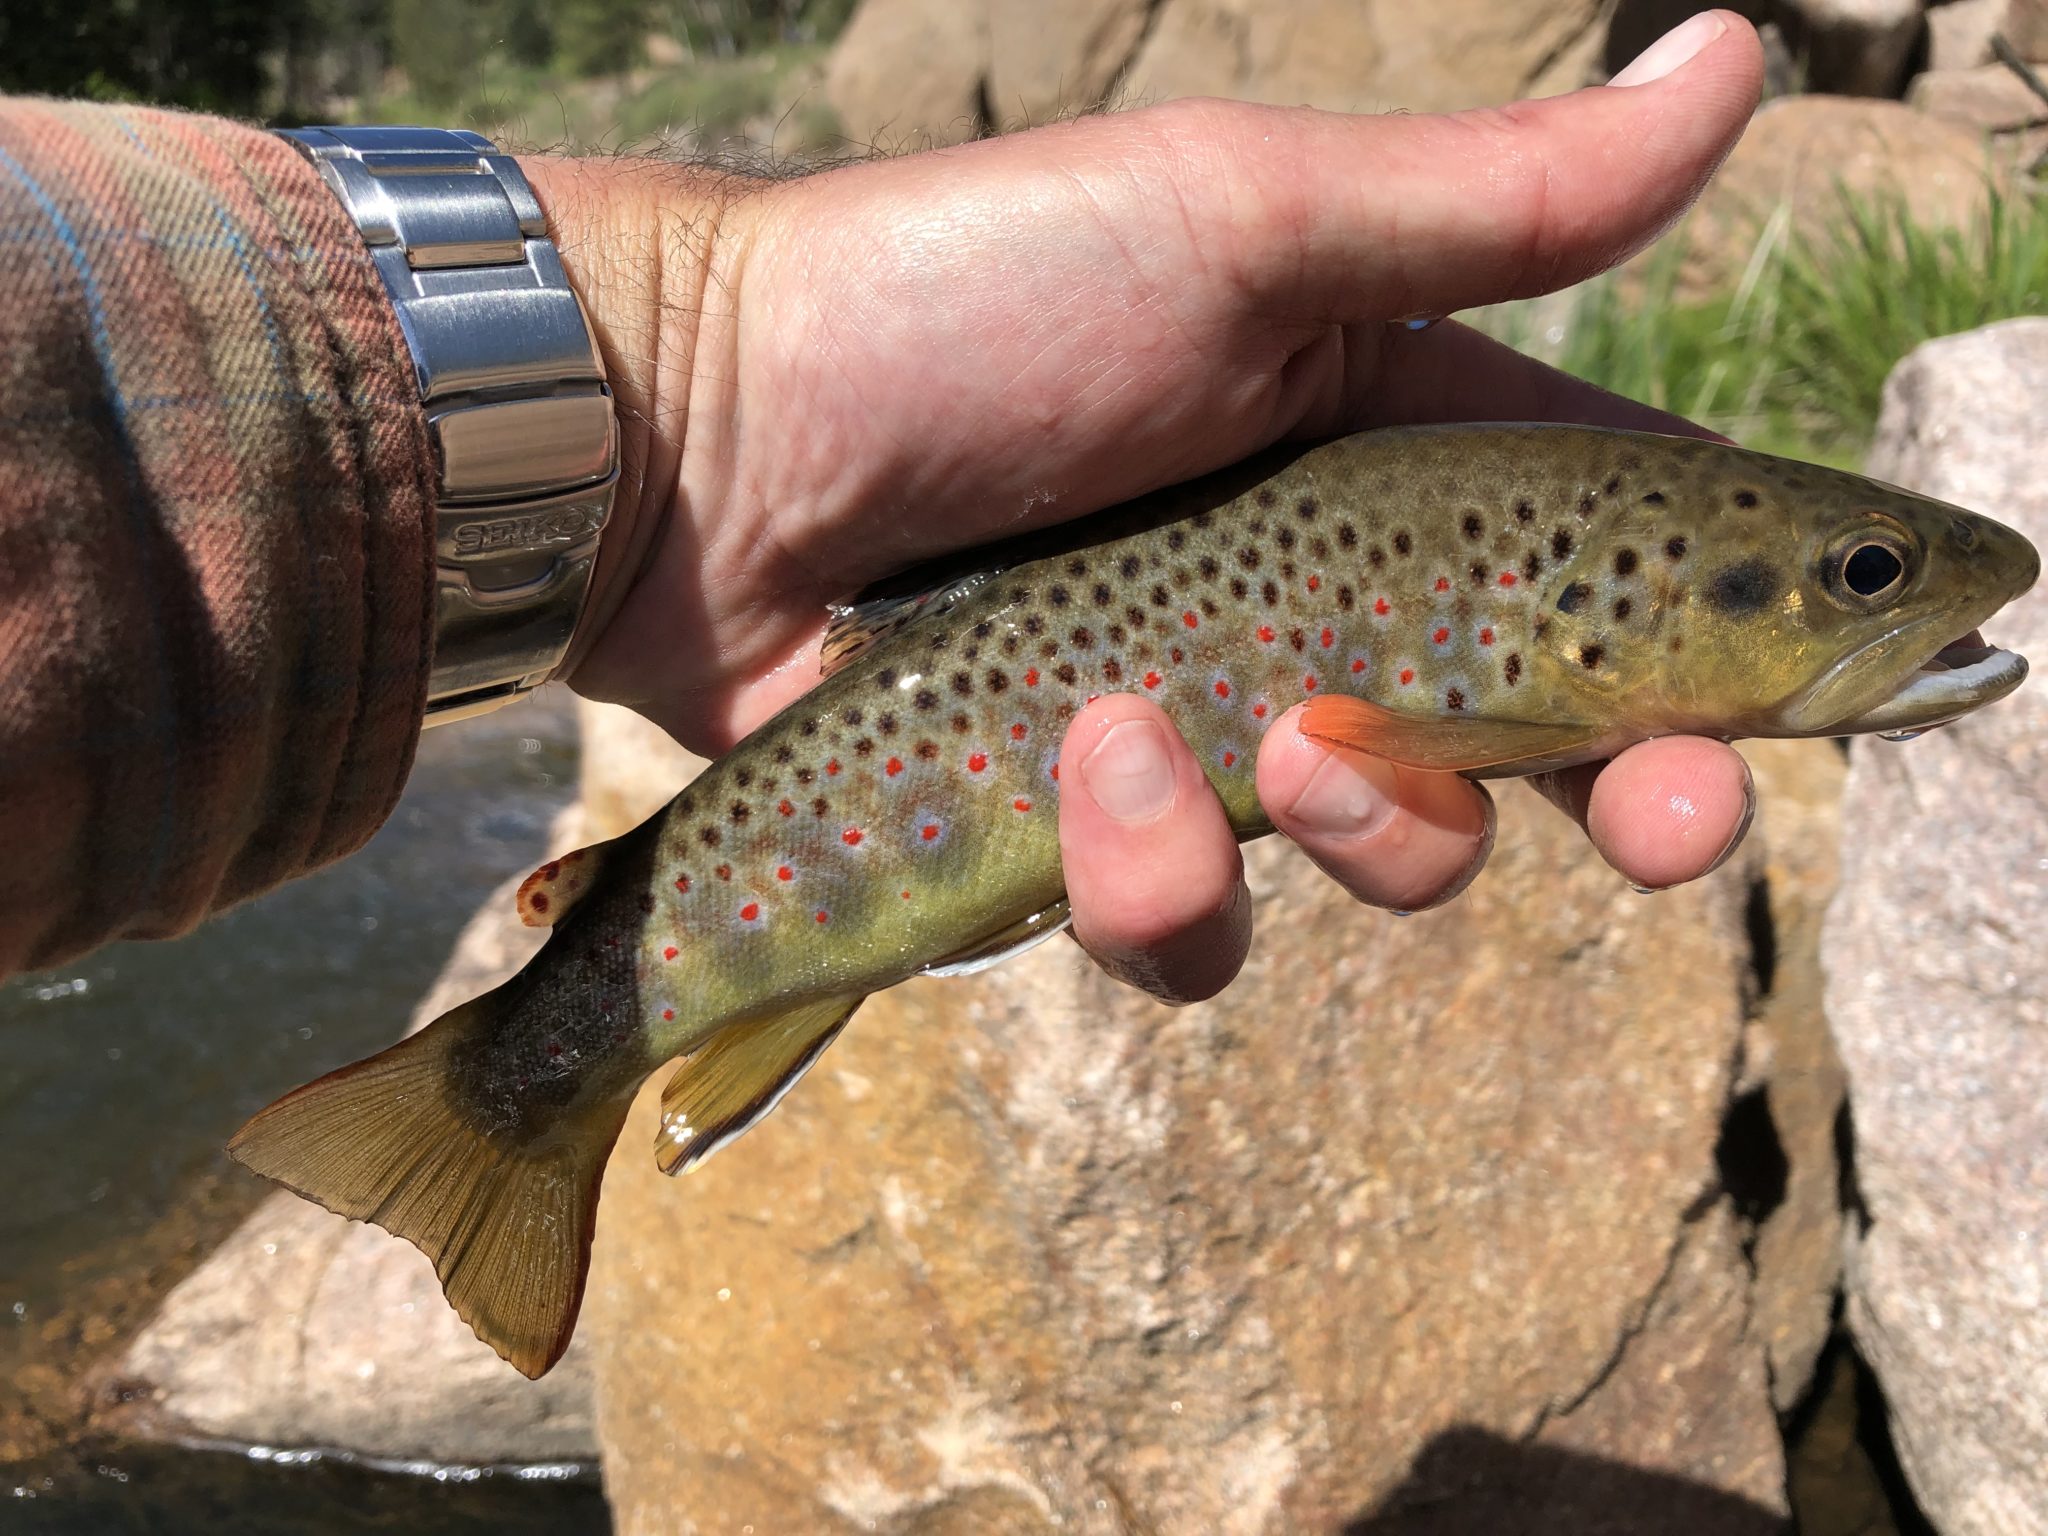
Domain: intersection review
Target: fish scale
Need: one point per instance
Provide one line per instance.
(1489, 600)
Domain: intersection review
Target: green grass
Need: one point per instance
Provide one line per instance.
(1793, 359)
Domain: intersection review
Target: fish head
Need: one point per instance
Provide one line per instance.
(1775, 598)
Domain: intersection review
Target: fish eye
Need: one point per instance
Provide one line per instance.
(1872, 570)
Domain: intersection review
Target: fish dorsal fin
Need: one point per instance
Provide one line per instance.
(737, 1076)
(1027, 933)
(546, 895)
(1439, 743)
(878, 613)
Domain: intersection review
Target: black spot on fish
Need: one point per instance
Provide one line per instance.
(1745, 587)
(1082, 637)
(1297, 639)
(1285, 538)
(969, 653)
(708, 836)
(1101, 594)
(1375, 557)
(863, 747)
(982, 630)
(1134, 616)
(924, 698)
(1623, 608)
(1238, 589)
(1472, 526)
(961, 725)
(997, 680)
(1479, 573)
(1613, 484)
(886, 725)
(1305, 509)
(1065, 673)
(1010, 644)
(1287, 570)
(1574, 597)
(1269, 594)
(1128, 567)
(1258, 527)
(1745, 499)
(886, 678)
(1060, 596)
(1248, 557)
(1113, 670)
(1077, 566)
(852, 717)
(1674, 547)
(1319, 547)
(1560, 545)
(1347, 537)
(1033, 624)
(1161, 597)
(1265, 497)
(1512, 668)
(962, 684)
(1116, 634)
(1208, 567)
(1175, 538)
(1586, 504)
(806, 775)
(820, 806)
(1455, 699)
(1532, 566)
(1589, 656)
(1345, 598)
(1653, 499)
(808, 728)
(1208, 607)
(743, 777)
(1402, 543)
(688, 803)
(784, 752)
(927, 750)
(1524, 513)
(1624, 562)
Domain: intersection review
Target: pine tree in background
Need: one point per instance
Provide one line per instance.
(600, 37)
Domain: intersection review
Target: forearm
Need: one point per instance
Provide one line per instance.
(215, 555)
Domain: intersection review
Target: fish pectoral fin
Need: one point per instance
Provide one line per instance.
(1441, 744)
(546, 895)
(1026, 933)
(737, 1076)
(874, 615)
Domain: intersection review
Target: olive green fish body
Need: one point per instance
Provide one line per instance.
(1487, 600)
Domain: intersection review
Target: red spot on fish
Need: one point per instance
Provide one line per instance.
(850, 837)
(1441, 636)
(1258, 711)
(929, 831)
(832, 767)
(1443, 583)
(1358, 666)
(750, 911)
(1381, 607)
(823, 916)
(1486, 637)
(1022, 805)
(1222, 688)
(1266, 633)
(977, 762)
(669, 953)
(1055, 772)
(1407, 675)
(1507, 578)
(724, 871)
(1018, 731)
(666, 1013)
(893, 767)
(682, 882)
(1229, 759)
(784, 872)
(906, 895)
(1189, 619)
(1309, 682)
(1151, 679)
(1177, 655)
(1031, 677)
(1329, 638)
(1314, 582)
(786, 808)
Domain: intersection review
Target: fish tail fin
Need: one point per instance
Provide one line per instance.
(506, 1218)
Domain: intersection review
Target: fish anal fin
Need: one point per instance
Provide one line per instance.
(546, 895)
(735, 1078)
(1026, 933)
(507, 1220)
(1438, 743)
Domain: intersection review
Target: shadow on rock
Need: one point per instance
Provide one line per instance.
(1468, 1481)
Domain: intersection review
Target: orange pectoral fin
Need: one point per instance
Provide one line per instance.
(550, 891)
(1438, 743)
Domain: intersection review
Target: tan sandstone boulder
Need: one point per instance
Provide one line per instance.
(1421, 1225)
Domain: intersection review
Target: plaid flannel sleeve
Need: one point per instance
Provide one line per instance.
(216, 566)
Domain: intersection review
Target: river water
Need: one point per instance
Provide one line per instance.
(121, 1075)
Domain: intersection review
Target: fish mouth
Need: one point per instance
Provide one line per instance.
(1963, 675)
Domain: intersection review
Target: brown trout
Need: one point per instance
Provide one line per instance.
(1486, 600)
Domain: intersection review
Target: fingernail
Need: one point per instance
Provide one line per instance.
(1742, 826)
(1130, 772)
(1673, 49)
(1347, 796)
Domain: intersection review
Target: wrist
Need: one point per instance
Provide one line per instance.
(639, 241)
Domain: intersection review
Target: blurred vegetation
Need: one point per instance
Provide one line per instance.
(584, 71)
(1793, 359)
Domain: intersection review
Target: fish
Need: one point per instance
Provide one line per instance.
(1485, 600)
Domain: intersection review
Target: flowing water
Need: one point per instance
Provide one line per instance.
(122, 1074)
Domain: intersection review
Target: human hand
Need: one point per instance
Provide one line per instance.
(824, 381)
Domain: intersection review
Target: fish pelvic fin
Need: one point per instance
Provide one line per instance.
(506, 1220)
(546, 895)
(1440, 744)
(737, 1076)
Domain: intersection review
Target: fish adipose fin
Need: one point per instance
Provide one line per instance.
(1439, 743)
(739, 1075)
(506, 1220)
(547, 894)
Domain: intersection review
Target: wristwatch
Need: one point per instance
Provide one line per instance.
(524, 437)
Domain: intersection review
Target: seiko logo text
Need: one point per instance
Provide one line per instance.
(561, 527)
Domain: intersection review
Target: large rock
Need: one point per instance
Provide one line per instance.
(1937, 987)
(305, 1329)
(909, 72)
(1959, 34)
(1853, 47)
(1802, 154)
(1421, 1223)
(1987, 99)
(1048, 57)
